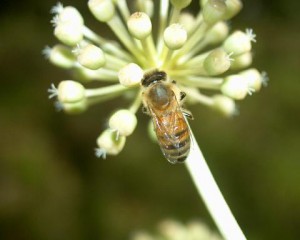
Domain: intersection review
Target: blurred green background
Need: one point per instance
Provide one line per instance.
(53, 187)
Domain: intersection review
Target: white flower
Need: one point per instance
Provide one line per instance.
(195, 51)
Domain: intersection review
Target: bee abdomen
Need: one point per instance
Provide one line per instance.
(178, 150)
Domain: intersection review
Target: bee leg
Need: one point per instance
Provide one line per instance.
(187, 114)
(182, 95)
(145, 110)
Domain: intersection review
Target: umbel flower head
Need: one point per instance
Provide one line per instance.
(173, 230)
(196, 50)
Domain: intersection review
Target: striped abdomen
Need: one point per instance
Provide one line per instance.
(173, 136)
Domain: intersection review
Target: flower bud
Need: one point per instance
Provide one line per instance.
(91, 57)
(70, 92)
(217, 33)
(130, 75)
(110, 142)
(71, 15)
(202, 3)
(139, 25)
(123, 121)
(103, 10)
(241, 61)
(61, 56)
(224, 105)
(147, 7)
(75, 107)
(175, 36)
(235, 86)
(233, 8)
(69, 33)
(214, 11)
(217, 62)
(151, 131)
(171, 229)
(237, 43)
(253, 78)
(180, 4)
(187, 20)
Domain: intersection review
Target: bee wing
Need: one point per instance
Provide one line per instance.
(171, 128)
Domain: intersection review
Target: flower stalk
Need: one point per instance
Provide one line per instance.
(211, 194)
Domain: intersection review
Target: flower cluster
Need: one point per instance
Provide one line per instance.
(196, 50)
(174, 230)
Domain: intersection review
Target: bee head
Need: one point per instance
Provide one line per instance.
(153, 77)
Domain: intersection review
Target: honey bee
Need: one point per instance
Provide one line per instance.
(162, 101)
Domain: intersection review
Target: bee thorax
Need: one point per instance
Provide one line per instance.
(160, 95)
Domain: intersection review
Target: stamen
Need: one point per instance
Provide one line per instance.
(53, 91)
(54, 21)
(250, 33)
(56, 9)
(265, 78)
(100, 153)
(46, 52)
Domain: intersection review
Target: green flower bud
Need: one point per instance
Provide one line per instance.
(139, 25)
(70, 92)
(175, 36)
(91, 57)
(61, 56)
(217, 33)
(224, 105)
(233, 8)
(75, 107)
(214, 11)
(253, 77)
(241, 61)
(71, 15)
(110, 142)
(69, 33)
(130, 75)
(187, 20)
(235, 86)
(217, 62)
(123, 121)
(237, 43)
(103, 10)
(180, 4)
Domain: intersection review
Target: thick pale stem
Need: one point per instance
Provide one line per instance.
(104, 91)
(150, 51)
(136, 104)
(105, 44)
(211, 194)
(163, 17)
(175, 13)
(123, 8)
(202, 82)
(119, 29)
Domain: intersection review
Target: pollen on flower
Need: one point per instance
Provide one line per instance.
(195, 50)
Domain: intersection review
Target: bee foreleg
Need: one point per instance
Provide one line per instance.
(182, 95)
(145, 110)
(187, 114)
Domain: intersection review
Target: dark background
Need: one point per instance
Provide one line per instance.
(53, 187)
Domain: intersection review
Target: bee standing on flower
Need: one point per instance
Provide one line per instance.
(161, 101)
